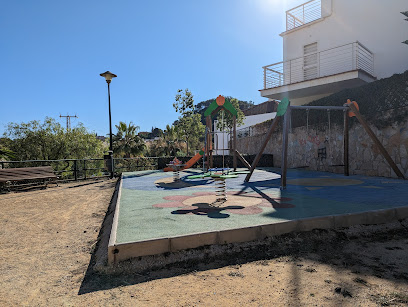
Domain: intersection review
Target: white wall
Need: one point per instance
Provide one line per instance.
(377, 24)
(221, 139)
(256, 119)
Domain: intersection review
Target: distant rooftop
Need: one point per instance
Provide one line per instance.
(262, 108)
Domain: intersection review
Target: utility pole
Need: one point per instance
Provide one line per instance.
(406, 15)
(68, 120)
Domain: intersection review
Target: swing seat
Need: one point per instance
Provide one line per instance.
(198, 176)
(240, 172)
(218, 169)
(228, 176)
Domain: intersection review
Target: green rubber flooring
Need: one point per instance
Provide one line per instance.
(152, 207)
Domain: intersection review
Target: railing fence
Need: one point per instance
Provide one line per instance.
(79, 169)
(303, 14)
(245, 132)
(328, 62)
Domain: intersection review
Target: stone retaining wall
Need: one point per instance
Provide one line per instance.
(218, 161)
(305, 143)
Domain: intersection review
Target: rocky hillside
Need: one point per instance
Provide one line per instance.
(382, 103)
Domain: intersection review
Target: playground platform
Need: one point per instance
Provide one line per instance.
(154, 215)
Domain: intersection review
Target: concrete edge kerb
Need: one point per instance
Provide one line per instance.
(112, 238)
(163, 245)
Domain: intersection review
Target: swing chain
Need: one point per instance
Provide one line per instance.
(329, 138)
(328, 114)
(307, 121)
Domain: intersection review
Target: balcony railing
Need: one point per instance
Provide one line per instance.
(352, 56)
(302, 14)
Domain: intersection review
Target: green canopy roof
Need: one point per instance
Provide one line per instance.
(227, 106)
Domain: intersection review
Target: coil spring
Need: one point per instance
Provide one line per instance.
(176, 176)
(220, 190)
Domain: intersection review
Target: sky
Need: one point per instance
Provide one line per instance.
(52, 53)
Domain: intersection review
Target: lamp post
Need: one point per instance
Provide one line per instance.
(108, 77)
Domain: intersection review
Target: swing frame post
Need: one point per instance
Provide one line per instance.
(259, 155)
(346, 143)
(234, 143)
(284, 165)
(376, 141)
(208, 148)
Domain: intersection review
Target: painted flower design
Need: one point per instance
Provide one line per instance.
(204, 203)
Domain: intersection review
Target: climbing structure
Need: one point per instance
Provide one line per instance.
(217, 105)
(219, 175)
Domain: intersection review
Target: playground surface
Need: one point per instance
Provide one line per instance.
(155, 215)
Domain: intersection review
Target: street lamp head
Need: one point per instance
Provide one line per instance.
(108, 76)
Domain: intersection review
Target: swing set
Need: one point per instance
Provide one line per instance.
(322, 153)
(350, 109)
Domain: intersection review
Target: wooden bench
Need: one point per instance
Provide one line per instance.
(8, 176)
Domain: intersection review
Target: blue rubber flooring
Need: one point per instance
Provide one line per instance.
(152, 207)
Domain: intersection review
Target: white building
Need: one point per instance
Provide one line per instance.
(330, 45)
(255, 115)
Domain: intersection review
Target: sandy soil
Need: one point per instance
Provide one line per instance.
(48, 250)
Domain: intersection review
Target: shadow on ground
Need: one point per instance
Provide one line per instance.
(182, 183)
(368, 250)
(208, 210)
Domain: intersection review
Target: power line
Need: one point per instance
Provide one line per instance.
(68, 117)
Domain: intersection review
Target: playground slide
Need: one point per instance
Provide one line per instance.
(188, 164)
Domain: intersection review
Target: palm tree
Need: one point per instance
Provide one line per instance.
(171, 139)
(126, 141)
(6, 154)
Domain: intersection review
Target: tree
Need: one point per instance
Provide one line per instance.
(156, 132)
(47, 140)
(191, 130)
(188, 124)
(169, 144)
(171, 140)
(156, 148)
(184, 102)
(126, 141)
(228, 119)
(203, 105)
(6, 154)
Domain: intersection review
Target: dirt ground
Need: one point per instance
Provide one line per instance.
(49, 247)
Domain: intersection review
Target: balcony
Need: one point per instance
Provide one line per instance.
(319, 72)
(303, 14)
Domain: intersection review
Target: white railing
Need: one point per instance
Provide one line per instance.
(352, 56)
(304, 13)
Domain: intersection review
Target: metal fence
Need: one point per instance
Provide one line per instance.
(79, 169)
(245, 132)
(303, 14)
(349, 57)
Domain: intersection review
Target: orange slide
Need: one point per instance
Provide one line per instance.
(188, 164)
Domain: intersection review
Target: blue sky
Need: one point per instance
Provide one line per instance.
(52, 53)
